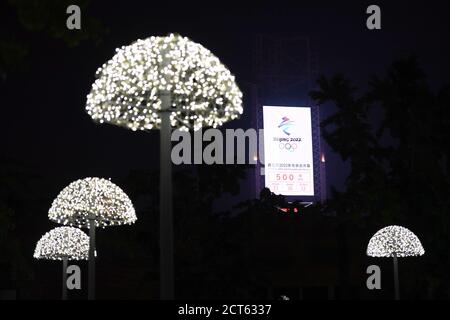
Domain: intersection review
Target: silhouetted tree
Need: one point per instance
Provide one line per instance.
(208, 244)
(399, 167)
(27, 25)
(15, 203)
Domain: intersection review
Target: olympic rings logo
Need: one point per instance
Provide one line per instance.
(287, 146)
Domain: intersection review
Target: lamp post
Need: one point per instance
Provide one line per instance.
(63, 243)
(164, 83)
(90, 203)
(395, 242)
(64, 277)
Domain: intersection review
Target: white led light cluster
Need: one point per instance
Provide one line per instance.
(394, 239)
(95, 198)
(128, 88)
(63, 242)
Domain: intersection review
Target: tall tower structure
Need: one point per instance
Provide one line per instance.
(284, 71)
(284, 253)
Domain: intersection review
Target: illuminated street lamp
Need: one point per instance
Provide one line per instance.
(394, 241)
(164, 83)
(63, 243)
(90, 203)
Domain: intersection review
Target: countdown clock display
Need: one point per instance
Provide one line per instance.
(288, 153)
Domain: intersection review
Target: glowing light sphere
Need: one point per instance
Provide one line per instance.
(63, 242)
(95, 198)
(128, 88)
(394, 239)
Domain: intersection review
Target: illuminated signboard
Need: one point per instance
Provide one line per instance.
(288, 151)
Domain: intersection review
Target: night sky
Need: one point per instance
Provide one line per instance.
(44, 123)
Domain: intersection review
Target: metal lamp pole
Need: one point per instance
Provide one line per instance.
(91, 275)
(64, 279)
(165, 203)
(396, 285)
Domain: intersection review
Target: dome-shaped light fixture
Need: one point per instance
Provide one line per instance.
(88, 203)
(130, 87)
(164, 83)
(394, 241)
(63, 243)
(94, 199)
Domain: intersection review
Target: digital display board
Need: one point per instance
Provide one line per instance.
(288, 150)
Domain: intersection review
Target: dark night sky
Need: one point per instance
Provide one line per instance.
(44, 123)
